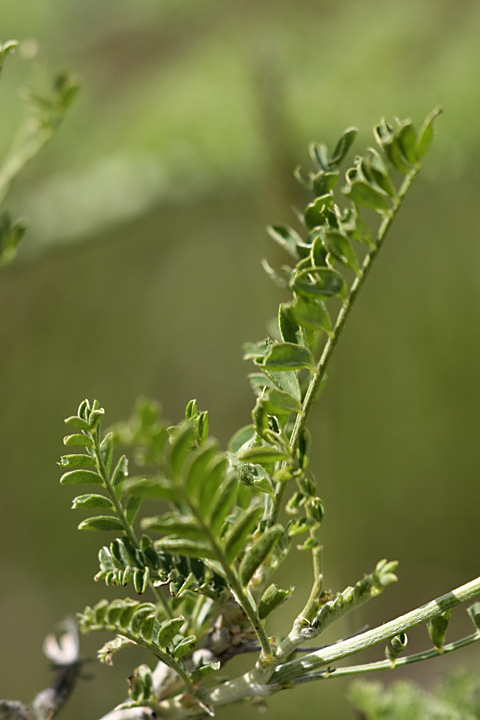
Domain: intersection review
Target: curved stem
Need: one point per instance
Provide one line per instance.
(386, 664)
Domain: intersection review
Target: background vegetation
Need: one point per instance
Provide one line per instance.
(147, 228)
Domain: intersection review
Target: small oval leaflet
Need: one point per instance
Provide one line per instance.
(320, 283)
(79, 440)
(288, 356)
(92, 501)
(101, 522)
(361, 193)
(81, 476)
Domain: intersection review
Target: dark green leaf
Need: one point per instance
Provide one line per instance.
(258, 553)
(132, 507)
(184, 646)
(320, 283)
(181, 447)
(168, 630)
(324, 182)
(81, 476)
(396, 646)
(318, 251)
(222, 504)
(361, 193)
(425, 135)
(407, 140)
(339, 246)
(297, 527)
(102, 522)
(437, 628)
(271, 599)
(144, 611)
(216, 475)
(78, 423)
(79, 440)
(204, 671)
(174, 524)
(287, 381)
(311, 314)
(151, 487)
(237, 535)
(474, 614)
(343, 146)
(191, 410)
(92, 501)
(315, 211)
(197, 466)
(286, 238)
(188, 548)
(121, 471)
(106, 451)
(77, 461)
(288, 356)
(277, 402)
(289, 329)
(379, 172)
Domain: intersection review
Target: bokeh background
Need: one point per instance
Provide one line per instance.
(140, 275)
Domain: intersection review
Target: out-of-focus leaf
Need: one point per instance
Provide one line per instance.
(286, 238)
(262, 454)
(339, 246)
(362, 193)
(320, 283)
(311, 313)
(288, 356)
(238, 533)
(258, 553)
(425, 134)
(188, 548)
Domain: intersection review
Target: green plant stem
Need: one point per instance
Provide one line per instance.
(129, 532)
(291, 670)
(244, 602)
(163, 656)
(322, 365)
(386, 664)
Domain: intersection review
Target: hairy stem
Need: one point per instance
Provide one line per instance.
(291, 670)
(386, 664)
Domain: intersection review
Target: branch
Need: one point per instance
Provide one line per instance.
(289, 671)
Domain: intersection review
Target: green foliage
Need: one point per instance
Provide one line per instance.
(226, 520)
(219, 541)
(456, 698)
(46, 113)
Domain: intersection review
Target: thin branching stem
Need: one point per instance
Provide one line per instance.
(331, 344)
(129, 531)
(387, 664)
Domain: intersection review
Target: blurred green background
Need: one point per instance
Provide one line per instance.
(140, 274)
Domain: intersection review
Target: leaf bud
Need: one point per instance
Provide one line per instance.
(437, 629)
(397, 645)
